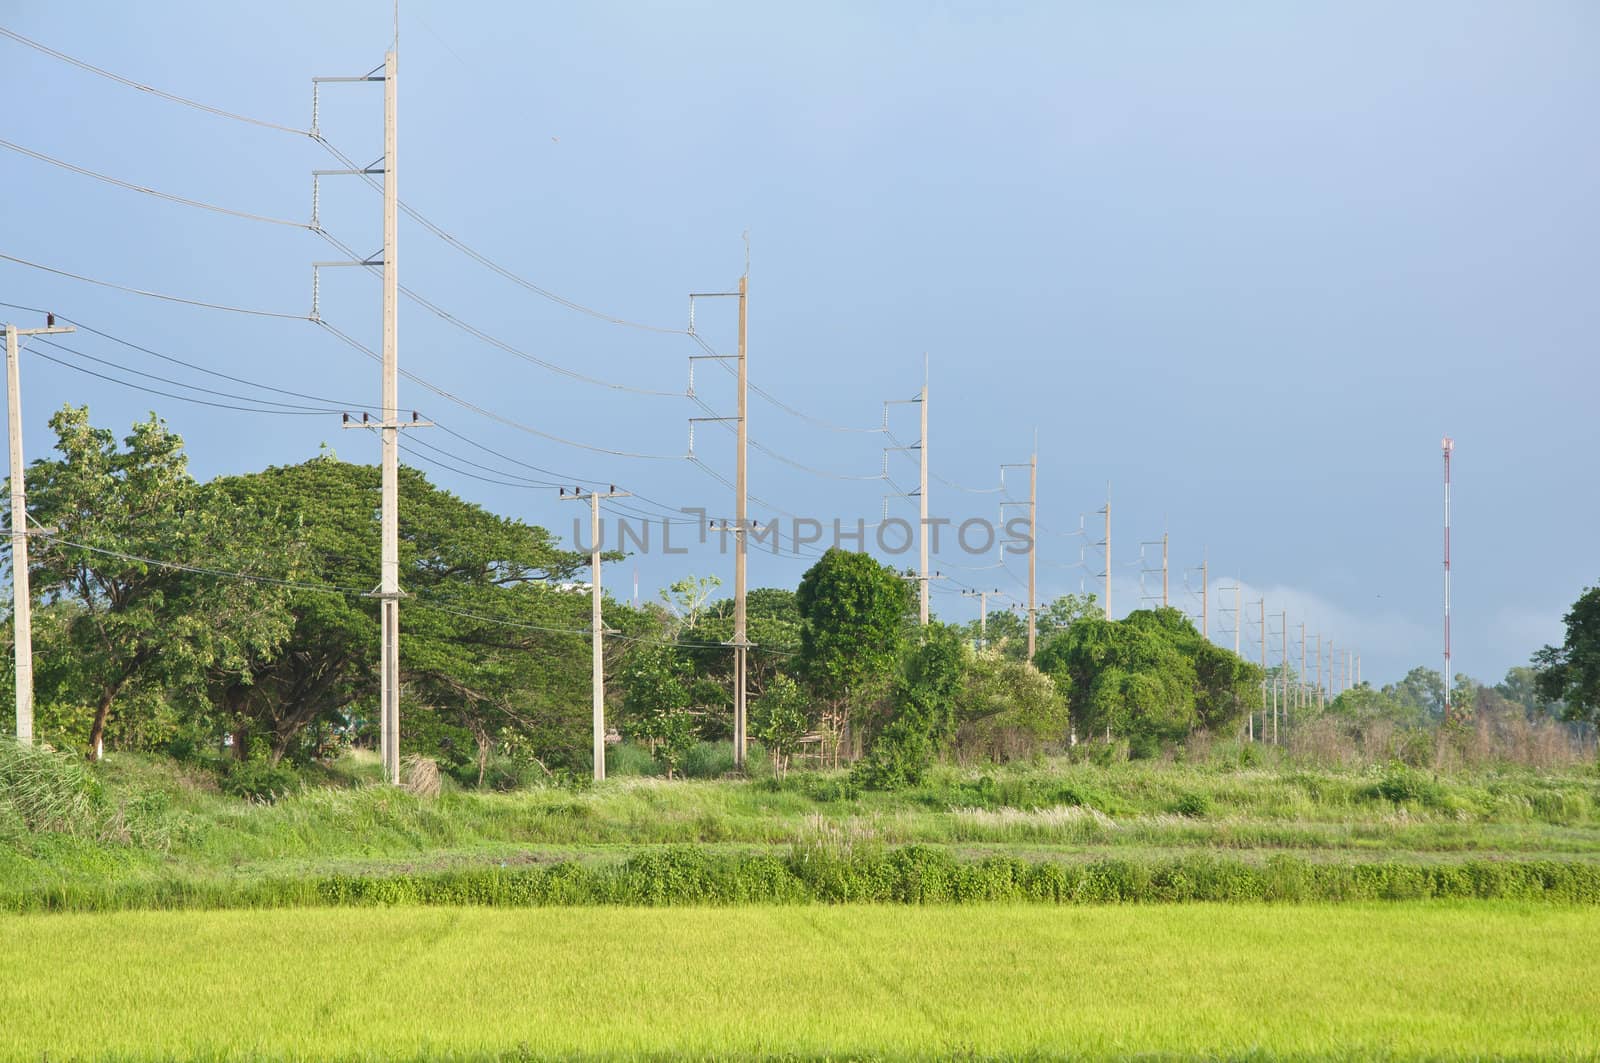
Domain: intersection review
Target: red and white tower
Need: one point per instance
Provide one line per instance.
(1449, 676)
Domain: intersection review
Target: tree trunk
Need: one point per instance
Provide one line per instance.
(97, 733)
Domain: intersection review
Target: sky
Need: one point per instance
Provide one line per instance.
(1246, 263)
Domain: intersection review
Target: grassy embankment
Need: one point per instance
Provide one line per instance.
(140, 832)
(1394, 981)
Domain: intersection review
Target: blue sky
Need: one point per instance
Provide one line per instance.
(1247, 262)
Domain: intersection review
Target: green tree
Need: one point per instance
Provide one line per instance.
(1570, 673)
(1008, 708)
(923, 711)
(779, 719)
(655, 703)
(490, 645)
(1151, 677)
(853, 614)
(142, 631)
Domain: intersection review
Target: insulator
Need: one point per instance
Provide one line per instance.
(315, 92)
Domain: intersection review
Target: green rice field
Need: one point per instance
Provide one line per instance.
(1397, 980)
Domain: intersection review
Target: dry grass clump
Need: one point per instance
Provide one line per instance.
(420, 776)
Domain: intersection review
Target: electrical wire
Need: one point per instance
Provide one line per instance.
(190, 365)
(175, 395)
(489, 263)
(153, 295)
(477, 333)
(168, 196)
(467, 404)
(169, 96)
(285, 407)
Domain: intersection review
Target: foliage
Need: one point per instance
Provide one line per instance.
(1570, 673)
(853, 614)
(780, 718)
(923, 707)
(655, 702)
(1150, 678)
(134, 632)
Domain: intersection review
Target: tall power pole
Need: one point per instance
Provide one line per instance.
(1205, 598)
(741, 642)
(1319, 670)
(1033, 545)
(389, 588)
(1448, 445)
(922, 503)
(1238, 613)
(1106, 545)
(1262, 605)
(983, 614)
(21, 593)
(1283, 624)
(596, 624)
(1300, 685)
(389, 425)
(1163, 570)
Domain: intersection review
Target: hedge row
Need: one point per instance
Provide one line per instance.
(685, 875)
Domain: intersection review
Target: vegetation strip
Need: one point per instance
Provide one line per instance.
(688, 875)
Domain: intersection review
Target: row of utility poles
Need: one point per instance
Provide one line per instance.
(389, 592)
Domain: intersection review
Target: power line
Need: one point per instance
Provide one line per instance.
(192, 365)
(174, 395)
(493, 341)
(467, 404)
(170, 96)
(285, 407)
(489, 263)
(168, 196)
(152, 295)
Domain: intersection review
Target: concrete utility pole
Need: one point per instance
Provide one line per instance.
(1319, 670)
(1300, 684)
(1205, 598)
(741, 642)
(21, 593)
(1283, 624)
(1238, 613)
(1333, 672)
(1449, 446)
(983, 614)
(1033, 541)
(388, 592)
(1163, 570)
(1033, 545)
(741, 524)
(1106, 544)
(1261, 604)
(596, 624)
(922, 502)
(389, 589)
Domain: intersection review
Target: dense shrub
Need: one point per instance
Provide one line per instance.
(258, 779)
(687, 875)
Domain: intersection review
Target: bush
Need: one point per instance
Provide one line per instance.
(707, 760)
(44, 791)
(259, 779)
(626, 758)
(1404, 785)
(1193, 804)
